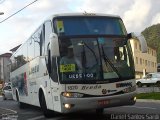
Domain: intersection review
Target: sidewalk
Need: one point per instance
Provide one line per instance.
(148, 100)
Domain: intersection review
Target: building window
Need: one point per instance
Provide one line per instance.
(145, 62)
(152, 64)
(158, 67)
(136, 45)
(152, 52)
(148, 50)
(155, 53)
(148, 63)
(141, 61)
(139, 47)
(136, 60)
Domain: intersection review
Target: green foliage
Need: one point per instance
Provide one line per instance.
(152, 35)
(153, 95)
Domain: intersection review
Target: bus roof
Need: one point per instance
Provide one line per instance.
(71, 14)
(83, 14)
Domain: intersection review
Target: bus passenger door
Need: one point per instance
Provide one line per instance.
(55, 87)
(53, 95)
(52, 68)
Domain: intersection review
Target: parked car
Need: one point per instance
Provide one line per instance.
(7, 92)
(149, 79)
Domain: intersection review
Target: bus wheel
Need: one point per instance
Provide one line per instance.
(20, 104)
(47, 113)
(139, 84)
(100, 111)
(4, 97)
(158, 84)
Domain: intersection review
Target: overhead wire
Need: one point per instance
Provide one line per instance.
(1, 1)
(18, 11)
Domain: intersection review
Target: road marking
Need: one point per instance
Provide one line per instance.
(42, 116)
(36, 118)
(141, 107)
(15, 112)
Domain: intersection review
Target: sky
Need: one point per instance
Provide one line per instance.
(136, 15)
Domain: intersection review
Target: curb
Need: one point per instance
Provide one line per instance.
(148, 100)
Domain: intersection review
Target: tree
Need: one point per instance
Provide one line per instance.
(152, 35)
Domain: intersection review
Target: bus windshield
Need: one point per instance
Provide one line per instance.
(67, 26)
(94, 59)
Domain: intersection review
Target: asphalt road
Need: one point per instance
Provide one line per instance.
(141, 110)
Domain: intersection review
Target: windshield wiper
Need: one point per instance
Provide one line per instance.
(106, 59)
(84, 57)
(85, 54)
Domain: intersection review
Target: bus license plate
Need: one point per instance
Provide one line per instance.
(103, 102)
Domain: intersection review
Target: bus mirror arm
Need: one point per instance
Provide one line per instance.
(143, 43)
(141, 39)
(48, 59)
(54, 45)
(49, 63)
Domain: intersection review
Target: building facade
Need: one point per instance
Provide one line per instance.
(4, 67)
(144, 62)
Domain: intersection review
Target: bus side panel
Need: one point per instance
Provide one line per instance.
(20, 83)
(27, 81)
(39, 79)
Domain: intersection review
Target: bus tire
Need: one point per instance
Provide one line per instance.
(99, 111)
(139, 84)
(47, 113)
(4, 97)
(158, 84)
(20, 104)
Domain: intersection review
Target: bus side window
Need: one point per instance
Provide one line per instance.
(37, 42)
(30, 49)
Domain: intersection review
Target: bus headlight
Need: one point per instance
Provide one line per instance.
(72, 95)
(67, 106)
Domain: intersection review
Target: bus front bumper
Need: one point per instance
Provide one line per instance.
(79, 104)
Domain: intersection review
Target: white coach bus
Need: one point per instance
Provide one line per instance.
(76, 62)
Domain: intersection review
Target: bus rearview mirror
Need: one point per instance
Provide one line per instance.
(143, 43)
(54, 45)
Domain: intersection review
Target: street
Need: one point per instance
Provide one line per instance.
(141, 110)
